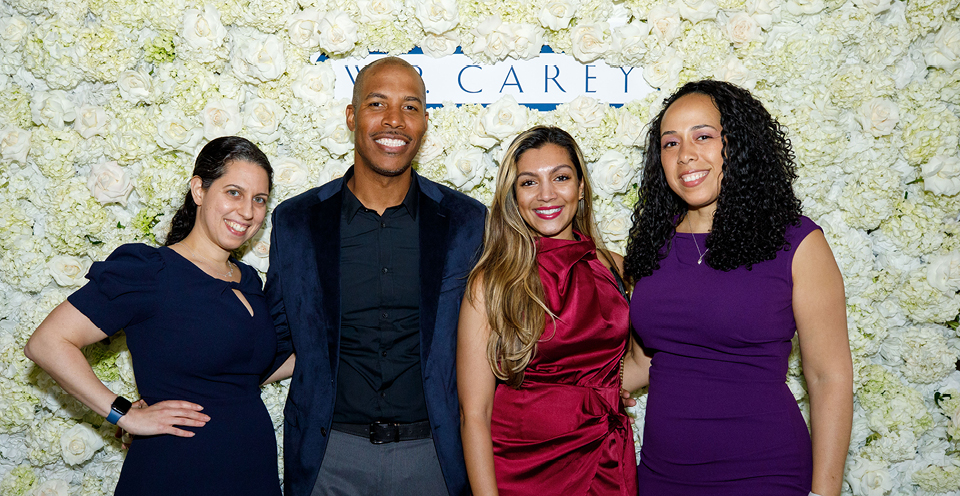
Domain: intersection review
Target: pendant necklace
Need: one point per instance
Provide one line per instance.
(212, 266)
(699, 260)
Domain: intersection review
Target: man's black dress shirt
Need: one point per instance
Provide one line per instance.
(379, 377)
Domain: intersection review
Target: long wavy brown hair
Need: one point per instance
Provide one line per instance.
(507, 271)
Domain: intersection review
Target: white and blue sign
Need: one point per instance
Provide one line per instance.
(542, 83)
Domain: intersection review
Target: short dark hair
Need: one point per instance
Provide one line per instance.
(211, 164)
(362, 76)
(756, 202)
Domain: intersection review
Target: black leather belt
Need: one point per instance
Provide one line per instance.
(386, 432)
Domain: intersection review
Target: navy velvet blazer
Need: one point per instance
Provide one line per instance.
(303, 292)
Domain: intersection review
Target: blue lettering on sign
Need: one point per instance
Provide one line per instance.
(460, 79)
(626, 77)
(586, 83)
(353, 80)
(547, 78)
(515, 79)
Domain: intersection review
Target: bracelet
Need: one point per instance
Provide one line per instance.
(623, 359)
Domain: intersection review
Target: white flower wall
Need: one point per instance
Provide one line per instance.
(103, 104)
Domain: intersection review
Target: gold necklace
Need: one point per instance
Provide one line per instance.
(211, 263)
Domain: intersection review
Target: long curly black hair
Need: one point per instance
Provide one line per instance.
(211, 164)
(756, 202)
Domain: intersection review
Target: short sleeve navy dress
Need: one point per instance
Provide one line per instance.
(191, 339)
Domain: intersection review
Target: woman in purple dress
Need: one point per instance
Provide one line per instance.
(201, 337)
(726, 271)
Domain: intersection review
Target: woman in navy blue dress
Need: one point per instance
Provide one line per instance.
(200, 335)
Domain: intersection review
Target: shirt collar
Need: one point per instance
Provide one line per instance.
(352, 204)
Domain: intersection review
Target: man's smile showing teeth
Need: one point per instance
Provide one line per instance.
(693, 176)
(392, 143)
(240, 228)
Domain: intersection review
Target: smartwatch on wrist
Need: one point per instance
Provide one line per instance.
(118, 409)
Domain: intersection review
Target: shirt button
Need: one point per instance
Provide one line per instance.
(384, 353)
(383, 395)
(383, 315)
(384, 270)
(383, 224)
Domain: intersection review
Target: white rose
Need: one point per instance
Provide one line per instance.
(336, 136)
(765, 12)
(590, 40)
(874, 6)
(203, 32)
(630, 130)
(135, 86)
(466, 168)
(430, 148)
(52, 487)
(556, 14)
(315, 84)
(944, 52)
(943, 272)
(628, 42)
(221, 118)
(304, 28)
(79, 443)
(733, 71)
(941, 175)
(289, 172)
(333, 169)
(611, 174)
(503, 118)
(377, 10)
(805, 7)
(257, 57)
(176, 132)
(697, 10)
(614, 223)
(878, 116)
(868, 478)
(259, 255)
(262, 120)
(664, 22)
(527, 41)
(14, 144)
(492, 38)
(742, 29)
(68, 271)
(52, 109)
(438, 16)
(665, 72)
(91, 121)
(587, 112)
(109, 183)
(338, 33)
(13, 28)
(440, 45)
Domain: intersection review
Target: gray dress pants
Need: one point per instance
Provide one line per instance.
(353, 466)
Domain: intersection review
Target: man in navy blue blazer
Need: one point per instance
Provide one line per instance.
(366, 278)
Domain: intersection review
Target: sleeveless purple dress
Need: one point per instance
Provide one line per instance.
(720, 419)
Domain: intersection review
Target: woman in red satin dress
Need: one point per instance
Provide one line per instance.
(544, 336)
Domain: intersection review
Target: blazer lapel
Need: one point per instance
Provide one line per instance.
(325, 234)
(434, 243)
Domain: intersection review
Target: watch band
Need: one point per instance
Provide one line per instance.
(118, 409)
